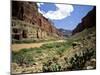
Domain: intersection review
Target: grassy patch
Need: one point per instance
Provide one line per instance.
(27, 55)
(31, 41)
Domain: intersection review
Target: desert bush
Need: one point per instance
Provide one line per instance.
(45, 46)
(55, 59)
(53, 67)
(79, 60)
(60, 51)
(54, 45)
(22, 57)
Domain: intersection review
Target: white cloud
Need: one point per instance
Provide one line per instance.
(62, 12)
(39, 4)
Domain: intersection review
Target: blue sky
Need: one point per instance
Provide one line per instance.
(64, 16)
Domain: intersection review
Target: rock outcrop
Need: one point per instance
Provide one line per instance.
(88, 21)
(28, 23)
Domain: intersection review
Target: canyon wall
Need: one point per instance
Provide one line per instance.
(28, 23)
(88, 21)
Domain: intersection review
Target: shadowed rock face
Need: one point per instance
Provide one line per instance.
(28, 12)
(88, 21)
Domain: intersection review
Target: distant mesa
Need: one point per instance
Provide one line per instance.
(66, 33)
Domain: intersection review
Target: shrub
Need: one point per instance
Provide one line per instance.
(78, 61)
(22, 57)
(45, 46)
(53, 67)
(60, 51)
(54, 45)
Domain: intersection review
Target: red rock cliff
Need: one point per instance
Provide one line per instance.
(28, 12)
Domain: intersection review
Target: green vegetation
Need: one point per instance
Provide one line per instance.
(60, 56)
(31, 41)
(78, 60)
(51, 67)
(21, 56)
(23, 41)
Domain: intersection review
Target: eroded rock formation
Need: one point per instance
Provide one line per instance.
(28, 23)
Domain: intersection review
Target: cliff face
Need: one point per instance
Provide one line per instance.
(28, 22)
(88, 21)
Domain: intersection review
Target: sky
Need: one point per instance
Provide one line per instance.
(64, 15)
